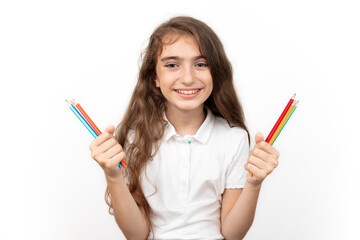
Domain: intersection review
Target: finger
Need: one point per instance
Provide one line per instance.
(105, 146)
(256, 172)
(110, 129)
(266, 147)
(260, 153)
(259, 163)
(113, 151)
(113, 163)
(252, 169)
(259, 137)
(100, 139)
(116, 159)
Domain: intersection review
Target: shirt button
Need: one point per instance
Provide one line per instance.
(183, 183)
(185, 165)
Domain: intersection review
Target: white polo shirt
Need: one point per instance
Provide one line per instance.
(190, 174)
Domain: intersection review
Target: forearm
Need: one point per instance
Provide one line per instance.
(127, 214)
(239, 219)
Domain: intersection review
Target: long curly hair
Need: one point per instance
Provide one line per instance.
(144, 115)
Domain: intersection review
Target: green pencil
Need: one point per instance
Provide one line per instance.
(295, 105)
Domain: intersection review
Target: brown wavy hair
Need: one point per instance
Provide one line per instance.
(144, 115)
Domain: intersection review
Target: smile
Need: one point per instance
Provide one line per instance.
(188, 94)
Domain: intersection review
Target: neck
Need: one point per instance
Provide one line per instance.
(186, 122)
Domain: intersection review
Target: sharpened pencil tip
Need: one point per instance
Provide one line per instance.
(293, 97)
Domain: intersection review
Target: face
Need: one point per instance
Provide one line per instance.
(183, 75)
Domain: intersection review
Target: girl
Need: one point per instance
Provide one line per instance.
(185, 142)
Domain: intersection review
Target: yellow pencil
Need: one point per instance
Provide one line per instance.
(281, 124)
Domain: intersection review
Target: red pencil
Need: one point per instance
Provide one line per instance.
(280, 119)
(87, 118)
(95, 131)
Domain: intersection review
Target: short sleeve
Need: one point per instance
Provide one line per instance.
(236, 173)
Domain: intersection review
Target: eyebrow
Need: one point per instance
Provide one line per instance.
(180, 59)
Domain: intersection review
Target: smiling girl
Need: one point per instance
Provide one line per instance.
(186, 144)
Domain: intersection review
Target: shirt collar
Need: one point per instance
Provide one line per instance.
(202, 134)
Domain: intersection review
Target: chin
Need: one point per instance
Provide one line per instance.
(190, 107)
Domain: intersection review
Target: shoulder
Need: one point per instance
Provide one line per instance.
(222, 129)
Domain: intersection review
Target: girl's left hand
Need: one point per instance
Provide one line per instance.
(263, 159)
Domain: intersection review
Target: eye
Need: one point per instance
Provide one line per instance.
(171, 65)
(202, 65)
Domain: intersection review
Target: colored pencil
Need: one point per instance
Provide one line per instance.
(86, 117)
(281, 124)
(83, 121)
(87, 122)
(286, 121)
(280, 119)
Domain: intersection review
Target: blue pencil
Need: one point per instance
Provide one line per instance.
(80, 117)
(73, 109)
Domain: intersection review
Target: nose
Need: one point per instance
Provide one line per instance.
(187, 75)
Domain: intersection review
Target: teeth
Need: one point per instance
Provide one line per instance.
(187, 92)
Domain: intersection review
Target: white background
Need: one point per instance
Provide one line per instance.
(89, 50)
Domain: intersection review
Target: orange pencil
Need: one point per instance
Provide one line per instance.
(87, 118)
(280, 118)
(281, 123)
(81, 113)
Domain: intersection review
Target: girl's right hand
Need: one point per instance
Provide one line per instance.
(108, 153)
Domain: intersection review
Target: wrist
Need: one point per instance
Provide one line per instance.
(114, 179)
(253, 186)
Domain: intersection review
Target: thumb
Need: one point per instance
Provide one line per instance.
(259, 137)
(110, 129)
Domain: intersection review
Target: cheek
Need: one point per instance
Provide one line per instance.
(209, 83)
(167, 79)
(206, 75)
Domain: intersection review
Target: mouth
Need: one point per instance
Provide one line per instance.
(188, 93)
